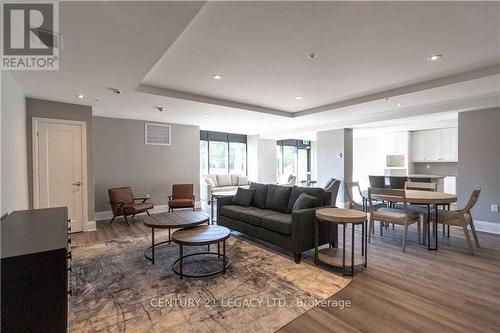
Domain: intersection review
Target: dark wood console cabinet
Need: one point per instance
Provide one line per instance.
(36, 259)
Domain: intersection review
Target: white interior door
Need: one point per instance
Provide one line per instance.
(60, 168)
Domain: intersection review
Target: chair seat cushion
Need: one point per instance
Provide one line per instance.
(278, 222)
(412, 208)
(254, 215)
(232, 211)
(137, 208)
(181, 203)
(393, 215)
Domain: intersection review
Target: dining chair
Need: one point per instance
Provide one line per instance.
(420, 186)
(462, 218)
(349, 186)
(420, 180)
(123, 203)
(377, 181)
(401, 217)
(182, 197)
(397, 182)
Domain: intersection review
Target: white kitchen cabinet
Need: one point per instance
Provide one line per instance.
(449, 144)
(450, 184)
(435, 145)
(418, 146)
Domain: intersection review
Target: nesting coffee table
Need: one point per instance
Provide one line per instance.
(171, 220)
(199, 236)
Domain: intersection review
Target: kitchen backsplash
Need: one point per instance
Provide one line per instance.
(441, 168)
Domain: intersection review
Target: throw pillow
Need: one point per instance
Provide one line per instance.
(242, 180)
(243, 196)
(259, 198)
(224, 180)
(234, 180)
(316, 192)
(306, 201)
(210, 182)
(277, 197)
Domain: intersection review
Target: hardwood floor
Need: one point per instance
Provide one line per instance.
(417, 291)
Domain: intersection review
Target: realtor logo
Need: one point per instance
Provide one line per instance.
(30, 37)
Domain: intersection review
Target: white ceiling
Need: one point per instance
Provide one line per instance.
(165, 53)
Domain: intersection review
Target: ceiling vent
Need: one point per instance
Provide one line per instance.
(158, 134)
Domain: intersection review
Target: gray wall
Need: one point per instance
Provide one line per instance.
(448, 169)
(122, 159)
(56, 110)
(14, 176)
(329, 145)
(479, 161)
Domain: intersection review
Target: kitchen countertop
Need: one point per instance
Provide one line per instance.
(426, 176)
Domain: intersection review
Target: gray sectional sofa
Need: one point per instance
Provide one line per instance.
(270, 218)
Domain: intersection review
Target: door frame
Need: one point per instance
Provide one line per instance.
(36, 180)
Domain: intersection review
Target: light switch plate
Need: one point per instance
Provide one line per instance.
(494, 208)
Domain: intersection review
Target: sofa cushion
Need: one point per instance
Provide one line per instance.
(306, 201)
(278, 222)
(234, 179)
(242, 180)
(254, 215)
(278, 197)
(224, 180)
(232, 211)
(259, 198)
(209, 179)
(316, 192)
(243, 196)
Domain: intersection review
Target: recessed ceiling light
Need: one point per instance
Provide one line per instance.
(160, 108)
(217, 77)
(435, 57)
(298, 98)
(386, 99)
(80, 96)
(312, 55)
(400, 104)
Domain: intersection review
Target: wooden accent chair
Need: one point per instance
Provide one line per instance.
(124, 204)
(401, 217)
(182, 197)
(462, 218)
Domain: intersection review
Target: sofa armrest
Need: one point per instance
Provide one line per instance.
(223, 201)
(303, 230)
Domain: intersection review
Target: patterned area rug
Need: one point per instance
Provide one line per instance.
(115, 289)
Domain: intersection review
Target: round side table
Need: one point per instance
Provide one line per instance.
(337, 256)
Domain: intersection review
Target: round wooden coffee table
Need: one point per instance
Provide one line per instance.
(335, 256)
(198, 236)
(171, 220)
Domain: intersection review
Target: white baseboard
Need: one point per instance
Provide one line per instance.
(106, 215)
(90, 226)
(491, 227)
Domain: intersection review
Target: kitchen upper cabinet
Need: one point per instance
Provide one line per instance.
(418, 146)
(436, 145)
(433, 145)
(449, 144)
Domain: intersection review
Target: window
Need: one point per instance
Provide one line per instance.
(237, 158)
(294, 158)
(204, 157)
(218, 157)
(223, 153)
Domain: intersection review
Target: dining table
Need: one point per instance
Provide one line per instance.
(419, 197)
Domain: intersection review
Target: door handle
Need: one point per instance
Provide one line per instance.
(77, 183)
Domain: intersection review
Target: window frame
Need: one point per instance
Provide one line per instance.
(228, 138)
(298, 144)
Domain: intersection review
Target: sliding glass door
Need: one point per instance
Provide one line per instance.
(222, 153)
